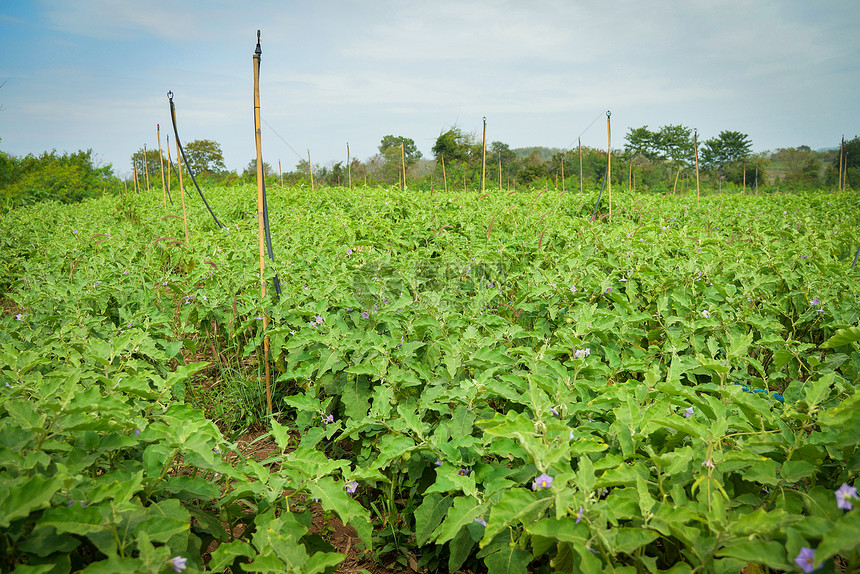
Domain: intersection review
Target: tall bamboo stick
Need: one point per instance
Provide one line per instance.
(348, 166)
(444, 177)
(311, 170)
(579, 144)
(261, 219)
(161, 160)
(182, 192)
(696, 152)
(609, 162)
(484, 157)
(403, 165)
(146, 168)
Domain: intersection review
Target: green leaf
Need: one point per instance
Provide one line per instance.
(627, 540)
(842, 337)
(26, 495)
(769, 553)
(115, 565)
(161, 529)
(515, 504)
(429, 515)
(74, 519)
(562, 529)
(842, 538)
(463, 511)
(511, 558)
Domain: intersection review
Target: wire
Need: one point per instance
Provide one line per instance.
(282, 139)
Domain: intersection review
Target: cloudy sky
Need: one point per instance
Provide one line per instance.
(95, 73)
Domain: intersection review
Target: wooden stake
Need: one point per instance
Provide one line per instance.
(562, 172)
(161, 160)
(500, 171)
(696, 153)
(134, 166)
(146, 168)
(579, 143)
(182, 193)
(403, 165)
(348, 166)
(261, 225)
(609, 162)
(444, 177)
(311, 170)
(169, 164)
(674, 187)
(841, 155)
(484, 157)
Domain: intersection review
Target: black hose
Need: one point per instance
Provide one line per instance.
(258, 51)
(599, 195)
(188, 167)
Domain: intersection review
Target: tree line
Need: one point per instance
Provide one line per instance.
(659, 160)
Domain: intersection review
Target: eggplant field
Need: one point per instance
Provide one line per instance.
(459, 382)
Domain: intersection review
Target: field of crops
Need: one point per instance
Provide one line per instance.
(460, 382)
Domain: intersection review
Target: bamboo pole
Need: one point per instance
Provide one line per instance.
(562, 172)
(745, 178)
(161, 161)
(136, 188)
(696, 153)
(609, 162)
(260, 218)
(444, 177)
(311, 170)
(146, 168)
(169, 165)
(674, 187)
(841, 155)
(403, 166)
(500, 170)
(579, 143)
(348, 166)
(484, 157)
(182, 192)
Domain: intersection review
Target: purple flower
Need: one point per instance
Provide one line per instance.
(136, 432)
(815, 302)
(349, 252)
(688, 412)
(806, 560)
(351, 487)
(178, 563)
(543, 481)
(706, 314)
(464, 471)
(20, 316)
(319, 320)
(843, 494)
(573, 289)
(438, 462)
(481, 521)
(365, 314)
(581, 353)
(327, 419)
(608, 290)
(579, 515)
(553, 411)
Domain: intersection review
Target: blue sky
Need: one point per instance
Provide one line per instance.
(95, 73)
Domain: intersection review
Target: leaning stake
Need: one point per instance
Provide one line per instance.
(161, 160)
(260, 218)
(609, 162)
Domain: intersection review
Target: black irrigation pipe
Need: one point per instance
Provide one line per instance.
(258, 51)
(599, 195)
(188, 167)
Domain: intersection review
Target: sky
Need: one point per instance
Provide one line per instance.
(94, 74)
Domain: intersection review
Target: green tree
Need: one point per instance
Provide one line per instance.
(205, 157)
(454, 145)
(725, 151)
(675, 143)
(68, 178)
(389, 147)
(642, 142)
